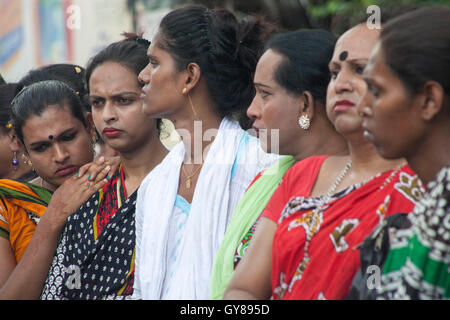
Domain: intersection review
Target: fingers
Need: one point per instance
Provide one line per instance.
(92, 169)
(96, 176)
(114, 162)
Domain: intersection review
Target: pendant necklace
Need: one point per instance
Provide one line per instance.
(188, 177)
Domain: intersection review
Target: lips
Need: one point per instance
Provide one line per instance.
(143, 93)
(256, 130)
(66, 170)
(343, 105)
(112, 132)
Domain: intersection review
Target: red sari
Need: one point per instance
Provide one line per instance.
(332, 260)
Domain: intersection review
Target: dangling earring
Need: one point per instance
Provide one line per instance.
(304, 122)
(196, 118)
(27, 161)
(15, 162)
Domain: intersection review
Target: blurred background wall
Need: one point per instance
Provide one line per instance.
(38, 32)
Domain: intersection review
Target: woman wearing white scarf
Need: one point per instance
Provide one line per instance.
(201, 67)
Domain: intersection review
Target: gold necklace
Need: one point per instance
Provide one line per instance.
(188, 177)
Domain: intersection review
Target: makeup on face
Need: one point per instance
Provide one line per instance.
(343, 55)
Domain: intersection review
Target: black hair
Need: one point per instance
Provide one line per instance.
(306, 56)
(71, 74)
(416, 47)
(227, 51)
(130, 53)
(36, 98)
(7, 93)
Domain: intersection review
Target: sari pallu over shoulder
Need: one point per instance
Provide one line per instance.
(339, 227)
(21, 206)
(220, 186)
(90, 264)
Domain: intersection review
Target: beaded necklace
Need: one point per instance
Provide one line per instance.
(314, 219)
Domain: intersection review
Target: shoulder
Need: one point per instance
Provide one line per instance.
(308, 166)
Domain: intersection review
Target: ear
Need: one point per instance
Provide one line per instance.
(192, 76)
(15, 144)
(307, 105)
(90, 127)
(432, 99)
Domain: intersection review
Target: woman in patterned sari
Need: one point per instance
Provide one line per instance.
(406, 112)
(95, 256)
(325, 205)
(48, 120)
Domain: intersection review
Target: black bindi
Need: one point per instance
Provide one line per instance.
(343, 55)
(50, 137)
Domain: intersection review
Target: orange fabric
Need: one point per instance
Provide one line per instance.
(14, 219)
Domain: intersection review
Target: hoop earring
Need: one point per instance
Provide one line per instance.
(15, 162)
(304, 122)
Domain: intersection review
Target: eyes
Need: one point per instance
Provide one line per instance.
(262, 93)
(373, 89)
(120, 100)
(356, 69)
(66, 137)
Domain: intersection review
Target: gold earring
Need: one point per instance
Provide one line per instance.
(184, 91)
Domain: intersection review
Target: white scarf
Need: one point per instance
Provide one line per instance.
(212, 205)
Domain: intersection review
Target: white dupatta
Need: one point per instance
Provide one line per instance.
(212, 205)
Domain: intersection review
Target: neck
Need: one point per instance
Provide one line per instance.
(365, 159)
(431, 154)
(320, 139)
(140, 162)
(196, 134)
(21, 170)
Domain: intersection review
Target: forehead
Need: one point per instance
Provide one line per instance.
(112, 77)
(358, 42)
(54, 120)
(267, 65)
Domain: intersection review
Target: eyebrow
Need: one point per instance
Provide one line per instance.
(351, 61)
(257, 84)
(33, 144)
(114, 95)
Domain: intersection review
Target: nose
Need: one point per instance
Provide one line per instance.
(60, 153)
(365, 104)
(254, 110)
(109, 113)
(343, 81)
(144, 75)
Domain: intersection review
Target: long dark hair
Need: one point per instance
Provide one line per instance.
(7, 93)
(227, 51)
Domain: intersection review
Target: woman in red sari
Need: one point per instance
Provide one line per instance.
(326, 205)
